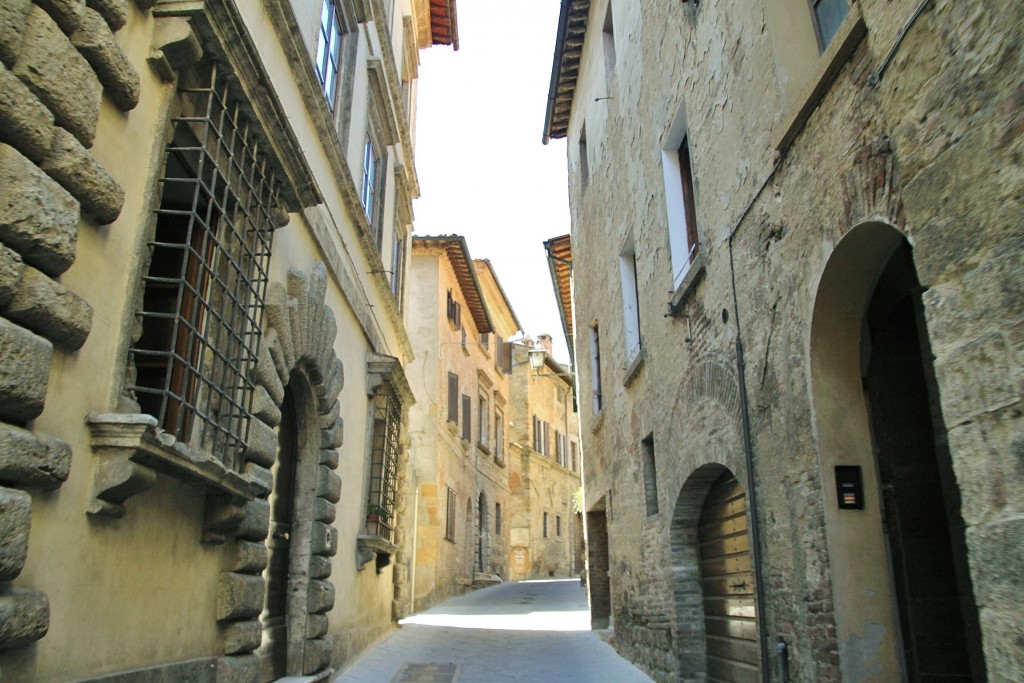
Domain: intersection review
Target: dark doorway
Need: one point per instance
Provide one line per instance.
(727, 584)
(598, 581)
(481, 535)
(274, 650)
(921, 504)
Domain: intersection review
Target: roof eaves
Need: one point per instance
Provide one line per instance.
(559, 254)
(508, 304)
(462, 263)
(572, 27)
(444, 23)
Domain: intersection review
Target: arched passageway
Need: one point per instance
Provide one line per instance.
(904, 603)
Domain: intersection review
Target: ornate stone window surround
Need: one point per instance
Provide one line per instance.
(386, 377)
(132, 447)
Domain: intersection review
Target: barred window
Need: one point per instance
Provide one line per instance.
(204, 290)
(380, 509)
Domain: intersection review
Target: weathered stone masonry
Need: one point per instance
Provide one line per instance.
(57, 61)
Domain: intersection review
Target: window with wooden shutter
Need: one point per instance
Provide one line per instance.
(503, 356)
(454, 311)
(453, 397)
(467, 422)
(449, 529)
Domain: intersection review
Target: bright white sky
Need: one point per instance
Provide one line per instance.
(483, 170)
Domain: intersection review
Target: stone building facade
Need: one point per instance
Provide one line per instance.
(495, 444)
(546, 527)
(796, 252)
(204, 213)
(459, 435)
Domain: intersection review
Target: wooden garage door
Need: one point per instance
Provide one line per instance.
(727, 581)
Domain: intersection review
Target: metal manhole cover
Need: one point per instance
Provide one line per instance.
(427, 673)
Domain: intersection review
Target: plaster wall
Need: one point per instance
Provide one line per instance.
(144, 590)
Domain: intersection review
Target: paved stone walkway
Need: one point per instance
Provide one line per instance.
(528, 632)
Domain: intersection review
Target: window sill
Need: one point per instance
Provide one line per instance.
(633, 368)
(688, 284)
(838, 52)
(373, 547)
(131, 450)
(483, 448)
(499, 460)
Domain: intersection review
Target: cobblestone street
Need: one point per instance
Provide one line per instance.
(533, 631)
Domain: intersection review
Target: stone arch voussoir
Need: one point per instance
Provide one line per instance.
(299, 335)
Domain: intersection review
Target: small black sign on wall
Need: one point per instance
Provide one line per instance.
(849, 487)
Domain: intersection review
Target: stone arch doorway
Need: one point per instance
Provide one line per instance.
(285, 614)
(713, 580)
(903, 597)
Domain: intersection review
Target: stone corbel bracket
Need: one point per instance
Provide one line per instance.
(175, 45)
(370, 547)
(131, 450)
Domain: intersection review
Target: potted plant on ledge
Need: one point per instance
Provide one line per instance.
(376, 520)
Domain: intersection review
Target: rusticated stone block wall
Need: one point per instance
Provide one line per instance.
(58, 60)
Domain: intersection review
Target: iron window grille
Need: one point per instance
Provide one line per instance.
(380, 511)
(204, 290)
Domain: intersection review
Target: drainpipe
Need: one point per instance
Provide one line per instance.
(748, 453)
(782, 661)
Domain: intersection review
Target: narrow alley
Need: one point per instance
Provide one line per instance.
(532, 631)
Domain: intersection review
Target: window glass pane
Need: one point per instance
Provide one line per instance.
(830, 14)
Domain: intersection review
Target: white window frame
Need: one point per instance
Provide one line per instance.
(485, 420)
(328, 51)
(680, 200)
(630, 304)
(369, 193)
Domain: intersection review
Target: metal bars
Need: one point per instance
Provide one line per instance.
(205, 288)
(387, 415)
